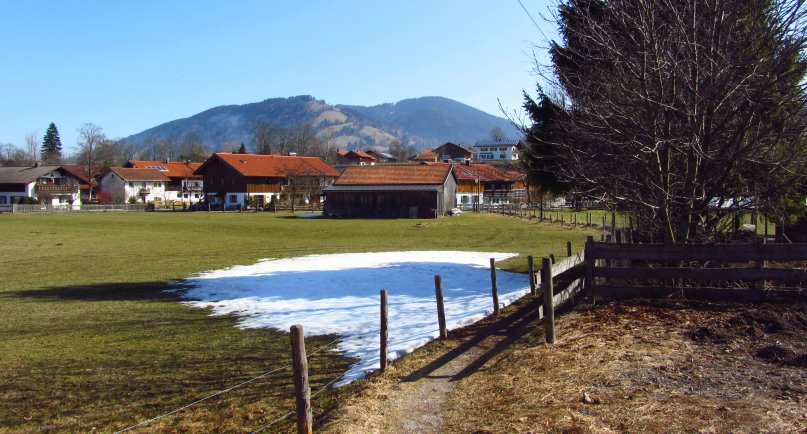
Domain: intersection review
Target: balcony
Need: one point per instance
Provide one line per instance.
(144, 192)
(56, 189)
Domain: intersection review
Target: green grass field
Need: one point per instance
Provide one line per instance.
(89, 340)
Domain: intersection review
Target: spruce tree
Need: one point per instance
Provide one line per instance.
(51, 146)
(242, 149)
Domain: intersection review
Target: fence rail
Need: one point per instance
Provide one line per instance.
(740, 272)
(34, 208)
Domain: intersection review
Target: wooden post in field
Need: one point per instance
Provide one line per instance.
(441, 312)
(301, 389)
(603, 222)
(549, 306)
(531, 270)
(494, 288)
(765, 240)
(552, 257)
(589, 258)
(568, 248)
(384, 330)
(613, 222)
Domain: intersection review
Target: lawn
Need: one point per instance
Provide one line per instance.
(89, 340)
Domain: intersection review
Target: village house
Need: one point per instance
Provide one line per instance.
(498, 150)
(126, 184)
(234, 179)
(452, 152)
(381, 157)
(445, 153)
(50, 185)
(421, 191)
(88, 184)
(488, 184)
(354, 158)
(183, 185)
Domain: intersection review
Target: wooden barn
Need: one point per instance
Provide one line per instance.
(392, 192)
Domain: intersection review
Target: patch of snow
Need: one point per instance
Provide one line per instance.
(339, 294)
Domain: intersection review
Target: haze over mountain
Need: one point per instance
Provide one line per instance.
(422, 122)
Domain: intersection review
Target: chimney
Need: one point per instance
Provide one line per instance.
(167, 160)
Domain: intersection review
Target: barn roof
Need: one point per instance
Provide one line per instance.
(394, 175)
(272, 165)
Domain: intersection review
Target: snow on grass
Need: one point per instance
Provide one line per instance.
(339, 294)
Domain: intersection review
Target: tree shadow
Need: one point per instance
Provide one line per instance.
(143, 291)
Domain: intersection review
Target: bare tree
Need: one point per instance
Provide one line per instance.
(680, 111)
(90, 137)
(265, 137)
(193, 148)
(304, 140)
(497, 134)
(32, 145)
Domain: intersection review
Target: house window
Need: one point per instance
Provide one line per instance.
(465, 199)
(131, 184)
(2, 200)
(233, 198)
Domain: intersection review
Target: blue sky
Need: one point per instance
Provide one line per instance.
(130, 65)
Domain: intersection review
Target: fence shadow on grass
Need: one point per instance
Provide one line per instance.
(511, 327)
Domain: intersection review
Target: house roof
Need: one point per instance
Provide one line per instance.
(135, 174)
(272, 165)
(427, 155)
(80, 172)
(484, 172)
(453, 150)
(174, 169)
(505, 142)
(354, 154)
(24, 174)
(394, 175)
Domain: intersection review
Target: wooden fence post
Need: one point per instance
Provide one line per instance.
(441, 313)
(589, 258)
(613, 223)
(494, 287)
(549, 306)
(531, 270)
(603, 222)
(301, 389)
(568, 248)
(552, 257)
(384, 330)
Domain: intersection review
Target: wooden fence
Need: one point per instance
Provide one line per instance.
(741, 272)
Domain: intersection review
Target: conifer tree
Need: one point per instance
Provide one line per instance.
(51, 146)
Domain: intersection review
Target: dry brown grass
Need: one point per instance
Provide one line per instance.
(627, 367)
(642, 368)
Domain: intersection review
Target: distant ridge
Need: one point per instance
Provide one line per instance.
(421, 122)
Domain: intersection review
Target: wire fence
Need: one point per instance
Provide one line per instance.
(241, 384)
(65, 208)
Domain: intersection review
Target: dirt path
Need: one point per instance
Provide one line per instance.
(415, 399)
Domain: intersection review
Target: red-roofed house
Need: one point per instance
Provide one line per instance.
(488, 184)
(129, 184)
(425, 191)
(355, 158)
(232, 178)
(184, 185)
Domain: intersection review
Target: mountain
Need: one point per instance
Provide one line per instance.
(423, 122)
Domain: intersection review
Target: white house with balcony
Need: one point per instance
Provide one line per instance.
(498, 150)
(48, 185)
(135, 185)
